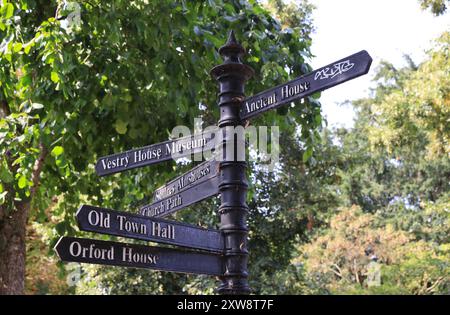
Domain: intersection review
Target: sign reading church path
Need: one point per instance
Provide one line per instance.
(111, 222)
(154, 153)
(336, 73)
(84, 250)
(184, 198)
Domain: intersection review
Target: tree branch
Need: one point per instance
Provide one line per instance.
(356, 271)
(38, 164)
(438, 281)
(5, 106)
(338, 271)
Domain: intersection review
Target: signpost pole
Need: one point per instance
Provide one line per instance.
(232, 75)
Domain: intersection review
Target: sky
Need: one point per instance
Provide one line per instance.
(387, 29)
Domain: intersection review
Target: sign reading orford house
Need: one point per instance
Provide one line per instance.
(220, 252)
(138, 256)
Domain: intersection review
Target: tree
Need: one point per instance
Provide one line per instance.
(398, 149)
(284, 210)
(341, 257)
(406, 107)
(293, 14)
(392, 187)
(85, 80)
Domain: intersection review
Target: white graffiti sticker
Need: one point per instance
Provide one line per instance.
(334, 70)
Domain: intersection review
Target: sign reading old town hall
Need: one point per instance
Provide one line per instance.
(119, 223)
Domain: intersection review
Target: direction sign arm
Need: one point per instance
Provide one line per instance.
(155, 153)
(82, 250)
(321, 79)
(119, 223)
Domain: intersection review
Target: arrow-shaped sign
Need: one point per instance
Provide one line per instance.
(182, 199)
(336, 73)
(111, 222)
(84, 250)
(154, 153)
(196, 175)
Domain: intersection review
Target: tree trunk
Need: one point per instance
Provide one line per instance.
(13, 233)
(12, 249)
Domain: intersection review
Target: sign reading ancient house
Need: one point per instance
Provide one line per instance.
(336, 73)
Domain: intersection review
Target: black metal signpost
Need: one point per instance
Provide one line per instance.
(232, 75)
(223, 252)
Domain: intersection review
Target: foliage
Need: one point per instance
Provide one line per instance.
(43, 276)
(437, 7)
(292, 279)
(286, 207)
(430, 222)
(293, 14)
(393, 186)
(341, 253)
(341, 257)
(413, 103)
(397, 153)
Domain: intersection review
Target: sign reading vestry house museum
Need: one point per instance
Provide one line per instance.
(154, 153)
(220, 252)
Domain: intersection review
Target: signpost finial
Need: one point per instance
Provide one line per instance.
(232, 51)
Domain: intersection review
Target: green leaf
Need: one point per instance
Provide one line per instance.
(316, 95)
(54, 77)
(22, 182)
(27, 47)
(5, 175)
(121, 127)
(58, 150)
(9, 10)
(307, 154)
(61, 227)
(318, 119)
(17, 47)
